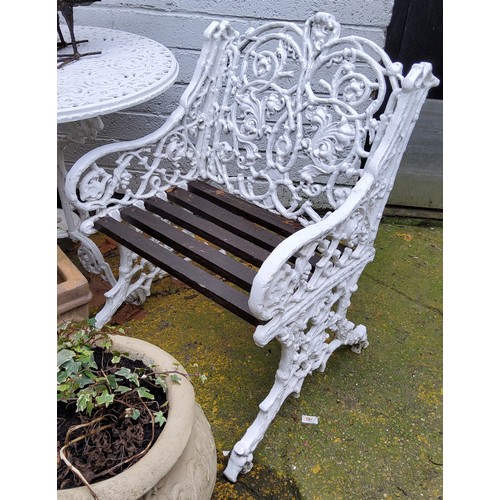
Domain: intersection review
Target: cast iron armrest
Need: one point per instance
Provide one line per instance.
(279, 287)
(90, 187)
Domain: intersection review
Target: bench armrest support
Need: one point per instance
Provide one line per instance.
(343, 240)
(340, 239)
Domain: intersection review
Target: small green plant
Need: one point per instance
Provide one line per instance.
(107, 387)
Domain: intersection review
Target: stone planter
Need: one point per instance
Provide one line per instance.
(182, 464)
(73, 292)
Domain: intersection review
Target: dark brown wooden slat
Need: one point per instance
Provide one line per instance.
(279, 224)
(272, 221)
(210, 231)
(183, 198)
(198, 279)
(209, 257)
(267, 219)
(222, 217)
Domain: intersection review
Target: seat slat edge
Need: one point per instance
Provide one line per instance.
(198, 279)
(219, 215)
(209, 230)
(209, 257)
(261, 216)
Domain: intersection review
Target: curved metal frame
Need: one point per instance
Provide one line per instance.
(282, 116)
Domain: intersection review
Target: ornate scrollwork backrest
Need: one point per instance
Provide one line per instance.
(281, 116)
(168, 157)
(297, 115)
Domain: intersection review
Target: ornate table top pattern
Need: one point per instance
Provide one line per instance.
(130, 70)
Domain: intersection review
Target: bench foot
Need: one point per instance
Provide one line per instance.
(352, 335)
(358, 339)
(357, 348)
(288, 380)
(125, 289)
(240, 462)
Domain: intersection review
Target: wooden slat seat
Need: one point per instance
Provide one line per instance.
(210, 231)
(211, 216)
(237, 224)
(196, 250)
(274, 222)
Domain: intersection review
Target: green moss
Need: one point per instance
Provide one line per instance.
(380, 412)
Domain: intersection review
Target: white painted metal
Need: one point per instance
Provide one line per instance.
(178, 25)
(130, 69)
(280, 116)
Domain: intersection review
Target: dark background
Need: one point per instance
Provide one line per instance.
(415, 34)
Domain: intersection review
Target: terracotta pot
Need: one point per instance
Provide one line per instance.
(182, 464)
(73, 291)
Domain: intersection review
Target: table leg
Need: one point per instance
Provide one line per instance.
(74, 132)
(68, 221)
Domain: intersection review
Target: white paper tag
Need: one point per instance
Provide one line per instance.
(226, 453)
(309, 419)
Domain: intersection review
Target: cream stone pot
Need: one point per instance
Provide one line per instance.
(182, 464)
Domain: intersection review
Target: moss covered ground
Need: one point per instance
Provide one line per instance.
(380, 412)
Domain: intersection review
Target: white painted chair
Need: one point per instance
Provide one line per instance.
(282, 152)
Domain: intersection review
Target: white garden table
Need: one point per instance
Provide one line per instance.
(130, 70)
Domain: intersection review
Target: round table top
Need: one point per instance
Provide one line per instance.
(131, 69)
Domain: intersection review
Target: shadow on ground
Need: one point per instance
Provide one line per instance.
(380, 413)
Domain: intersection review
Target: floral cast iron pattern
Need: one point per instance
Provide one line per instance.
(285, 117)
(130, 69)
(282, 116)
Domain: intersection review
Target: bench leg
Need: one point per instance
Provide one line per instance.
(91, 257)
(286, 382)
(126, 287)
(306, 346)
(294, 366)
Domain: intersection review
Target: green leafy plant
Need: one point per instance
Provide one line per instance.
(107, 388)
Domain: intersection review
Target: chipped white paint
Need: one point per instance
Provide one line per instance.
(279, 116)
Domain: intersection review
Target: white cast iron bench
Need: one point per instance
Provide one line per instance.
(281, 154)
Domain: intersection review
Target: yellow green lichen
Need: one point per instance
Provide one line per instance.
(380, 412)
